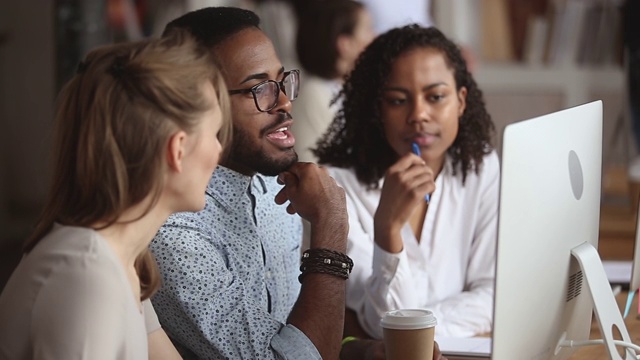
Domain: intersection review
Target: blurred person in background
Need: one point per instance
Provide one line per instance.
(331, 36)
(391, 14)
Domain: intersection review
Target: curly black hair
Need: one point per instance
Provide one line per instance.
(356, 138)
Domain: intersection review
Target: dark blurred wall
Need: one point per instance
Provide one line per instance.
(27, 86)
(41, 43)
(80, 25)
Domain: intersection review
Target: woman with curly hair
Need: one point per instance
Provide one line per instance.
(411, 147)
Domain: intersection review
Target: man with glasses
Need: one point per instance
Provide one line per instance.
(231, 271)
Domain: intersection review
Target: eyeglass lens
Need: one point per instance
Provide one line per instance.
(268, 92)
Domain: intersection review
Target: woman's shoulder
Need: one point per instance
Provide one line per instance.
(488, 173)
(74, 254)
(345, 174)
(491, 162)
(71, 242)
(488, 170)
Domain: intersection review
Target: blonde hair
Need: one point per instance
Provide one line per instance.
(113, 120)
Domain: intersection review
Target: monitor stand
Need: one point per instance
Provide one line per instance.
(604, 303)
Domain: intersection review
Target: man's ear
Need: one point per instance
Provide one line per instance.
(175, 150)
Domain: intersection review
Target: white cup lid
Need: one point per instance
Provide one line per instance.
(408, 319)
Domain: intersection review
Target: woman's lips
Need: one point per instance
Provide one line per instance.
(424, 139)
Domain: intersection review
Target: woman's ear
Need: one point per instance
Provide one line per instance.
(462, 99)
(175, 150)
(343, 45)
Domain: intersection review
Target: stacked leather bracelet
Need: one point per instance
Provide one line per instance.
(325, 261)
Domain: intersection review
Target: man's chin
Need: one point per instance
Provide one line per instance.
(274, 166)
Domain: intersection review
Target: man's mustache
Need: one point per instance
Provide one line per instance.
(282, 117)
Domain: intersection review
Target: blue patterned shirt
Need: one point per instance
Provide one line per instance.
(230, 274)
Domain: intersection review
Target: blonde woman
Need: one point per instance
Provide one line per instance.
(138, 134)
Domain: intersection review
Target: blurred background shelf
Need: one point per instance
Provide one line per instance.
(617, 216)
(532, 57)
(573, 82)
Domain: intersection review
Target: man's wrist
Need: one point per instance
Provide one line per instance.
(325, 261)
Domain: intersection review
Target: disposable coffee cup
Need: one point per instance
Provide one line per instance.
(408, 334)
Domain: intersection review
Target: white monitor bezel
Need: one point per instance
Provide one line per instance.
(547, 233)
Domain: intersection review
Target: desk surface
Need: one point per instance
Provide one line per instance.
(598, 352)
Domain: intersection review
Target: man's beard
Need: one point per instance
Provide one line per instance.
(243, 151)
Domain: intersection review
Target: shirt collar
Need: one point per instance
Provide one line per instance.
(229, 187)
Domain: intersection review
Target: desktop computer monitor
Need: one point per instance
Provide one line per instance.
(549, 209)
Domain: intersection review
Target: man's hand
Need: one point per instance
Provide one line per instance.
(363, 349)
(316, 197)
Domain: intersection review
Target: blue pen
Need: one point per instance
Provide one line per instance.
(416, 150)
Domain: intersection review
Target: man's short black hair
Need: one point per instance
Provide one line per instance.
(210, 26)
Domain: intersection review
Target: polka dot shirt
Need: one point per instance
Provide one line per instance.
(230, 274)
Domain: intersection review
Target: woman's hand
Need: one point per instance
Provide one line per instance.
(405, 185)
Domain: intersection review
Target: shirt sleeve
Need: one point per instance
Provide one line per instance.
(391, 286)
(470, 312)
(204, 306)
(373, 290)
(151, 321)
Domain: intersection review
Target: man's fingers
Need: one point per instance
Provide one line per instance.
(281, 197)
(287, 178)
(290, 181)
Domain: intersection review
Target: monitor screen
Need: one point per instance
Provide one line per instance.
(549, 205)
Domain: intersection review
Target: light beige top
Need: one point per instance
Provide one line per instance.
(69, 298)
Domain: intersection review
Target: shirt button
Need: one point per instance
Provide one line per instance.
(268, 275)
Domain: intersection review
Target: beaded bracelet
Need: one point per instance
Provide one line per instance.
(325, 261)
(329, 257)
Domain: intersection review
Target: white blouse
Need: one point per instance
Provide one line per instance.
(451, 271)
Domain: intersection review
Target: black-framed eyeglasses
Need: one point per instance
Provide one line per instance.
(266, 93)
